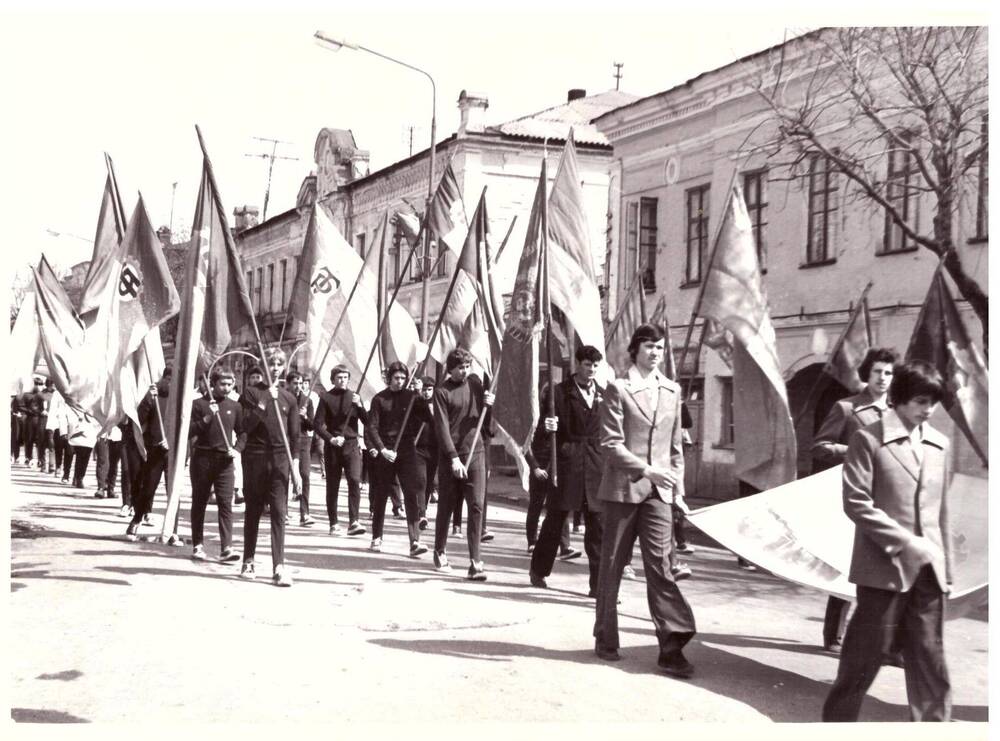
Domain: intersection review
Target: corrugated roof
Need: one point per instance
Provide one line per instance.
(555, 122)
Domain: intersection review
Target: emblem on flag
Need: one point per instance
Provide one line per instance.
(324, 282)
(129, 282)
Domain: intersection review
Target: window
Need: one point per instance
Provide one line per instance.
(359, 244)
(647, 242)
(393, 262)
(983, 184)
(697, 233)
(823, 204)
(631, 242)
(727, 430)
(440, 251)
(258, 296)
(284, 285)
(270, 287)
(900, 179)
(250, 286)
(755, 193)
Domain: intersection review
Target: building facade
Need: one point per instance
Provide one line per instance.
(820, 241)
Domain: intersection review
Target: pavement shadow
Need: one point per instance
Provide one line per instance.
(43, 715)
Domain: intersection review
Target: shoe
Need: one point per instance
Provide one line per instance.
(99, 494)
(132, 533)
(125, 511)
(537, 580)
(175, 540)
(486, 537)
(531, 548)
(576, 529)
(78, 483)
(570, 554)
(229, 555)
(629, 573)
(199, 554)
(281, 576)
(376, 545)
(398, 514)
(434, 497)
(247, 572)
(477, 572)
(417, 549)
(64, 480)
(833, 648)
(146, 522)
(687, 549)
(605, 653)
(307, 522)
(52, 469)
(286, 519)
(441, 562)
(356, 528)
(336, 529)
(747, 566)
(680, 572)
(238, 498)
(456, 531)
(423, 523)
(675, 665)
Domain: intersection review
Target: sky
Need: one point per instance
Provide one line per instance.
(83, 79)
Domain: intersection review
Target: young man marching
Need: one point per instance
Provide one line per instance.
(303, 446)
(458, 402)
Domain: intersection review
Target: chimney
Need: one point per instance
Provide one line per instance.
(472, 112)
(575, 94)
(244, 217)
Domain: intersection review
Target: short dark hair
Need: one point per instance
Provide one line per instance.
(458, 356)
(293, 376)
(220, 373)
(396, 367)
(341, 368)
(643, 333)
(913, 379)
(428, 381)
(876, 355)
(588, 352)
(254, 369)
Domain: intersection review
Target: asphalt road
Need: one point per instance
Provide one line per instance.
(106, 630)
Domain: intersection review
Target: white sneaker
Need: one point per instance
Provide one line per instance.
(376, 546)
(199, 553)
(281, 576)
(247, 572)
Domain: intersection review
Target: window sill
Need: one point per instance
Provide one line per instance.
(723, 446)
(889, 253)
(979, 240)
(818, 264)
(690, 284)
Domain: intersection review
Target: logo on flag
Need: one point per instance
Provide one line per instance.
(130, 282)
(325, 281)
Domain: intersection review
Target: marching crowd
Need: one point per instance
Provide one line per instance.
(617, 463)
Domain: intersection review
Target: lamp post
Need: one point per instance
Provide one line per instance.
(333, 44)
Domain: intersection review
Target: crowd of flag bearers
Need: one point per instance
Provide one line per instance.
(414, 418)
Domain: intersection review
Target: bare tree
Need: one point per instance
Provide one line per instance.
(901, 113)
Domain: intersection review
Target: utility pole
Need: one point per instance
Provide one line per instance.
(270, 167)
(173, 196)
(618, 74)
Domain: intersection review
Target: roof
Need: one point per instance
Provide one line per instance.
(743, 60)
(555, 122)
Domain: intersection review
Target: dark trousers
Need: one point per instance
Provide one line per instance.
(344, 460)
(15, 436)
(305, 469)
(538, 490)
(81, 459)
(148, 478)
(554, 528)
(59, 448)
(835, 619)
(34, 436)
(131, 462)
(409, 472)
(67, 457)
(265, 480)
(651, 520)
(916, 620)
(42, 442)
(49, 461)
(108, 454)
(212, 470)
(451, 493)
(428, 462)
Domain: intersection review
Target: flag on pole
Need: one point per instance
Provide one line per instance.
(941, 338)
(734, 298)
(631, 313)
(851, 348)
(110, 232)
(140, 297)
(215, 312)
(328, 268)
(447, 220)
(516, 388)
(660, 319)
(470, 318)
(410, 226)
(573, 280)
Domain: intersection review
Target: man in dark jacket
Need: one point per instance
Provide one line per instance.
(579, 462)
(303, 446)
(336, 422)
(216, 437)
(154, 466)
(270, 419)
(396, 455)
(427, 447)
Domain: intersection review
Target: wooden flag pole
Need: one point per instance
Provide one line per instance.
(159, 413)
(479, 422)
(222, 427)
(543, 234)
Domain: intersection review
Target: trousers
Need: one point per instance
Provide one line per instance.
(408, 471)
(451, 493)
(265, 479)
(212, 470)
(345, 460)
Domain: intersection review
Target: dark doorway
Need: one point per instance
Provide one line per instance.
(811, 395)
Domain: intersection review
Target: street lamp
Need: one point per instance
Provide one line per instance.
(332, 44)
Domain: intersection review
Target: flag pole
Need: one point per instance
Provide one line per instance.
(222, 427)
(159, 413)
(704, 280)
(479, 422)
(253, 318)
(503, 244)
(543, 233)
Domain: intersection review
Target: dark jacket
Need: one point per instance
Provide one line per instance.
(456, 411)
(263, 426)
(334, 407)
(386, 417)
(149, 419)
(846, 417)
(205, 432)
(307, 410)
(579, 463)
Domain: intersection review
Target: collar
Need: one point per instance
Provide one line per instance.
(866, 400)
(652, 381)
(893, 429)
